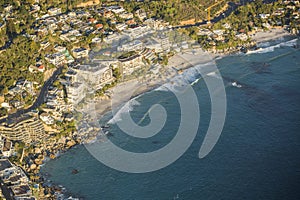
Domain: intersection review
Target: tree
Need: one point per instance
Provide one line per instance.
(10, 29)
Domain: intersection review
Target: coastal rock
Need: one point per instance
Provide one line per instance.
(38, 161)
(33, 166)
(62, 140)
(37, 151)
(52, 156)
(71, 143)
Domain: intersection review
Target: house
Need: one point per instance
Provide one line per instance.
(96, 40)
(121, 26)
(60, 48)
(56, 58)
(8, 8)
(21, 191)
(264, 16)
(116, 9)
(266, 25)
(41, 68)
(226, 26)
(141, 14)
(92, 20)
(108, 14)
(35, 7)
(54, 11)
(44, 44)
(80, 52)
(69, 117)
(242, 36)
(126, 15)
(46, 118)
(17, 104)
(42, 31)
(99, 26)
(6, 167)
(7, 148)
(5, 105)
(130, 22)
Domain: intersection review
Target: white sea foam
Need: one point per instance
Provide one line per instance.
(125, 109)
(264, 44)
(176, 84)
(289, 43)
(188, 77)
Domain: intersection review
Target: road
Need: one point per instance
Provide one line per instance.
(40, 99)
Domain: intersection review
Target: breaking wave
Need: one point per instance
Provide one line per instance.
(264, 48)
(124, 109)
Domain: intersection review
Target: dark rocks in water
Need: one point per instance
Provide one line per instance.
(75, 171)
(108, 133)
(105, 126)
(244, 50)
(155, 142)
(260, 67)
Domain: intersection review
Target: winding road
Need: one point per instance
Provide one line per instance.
(40, 99)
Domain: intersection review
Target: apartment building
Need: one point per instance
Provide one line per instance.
(25, 128)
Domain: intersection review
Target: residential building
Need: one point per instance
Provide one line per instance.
(7, 148)
(75, 92)
(80, 52)
(46, 118)
(15, 181)
(96, 75)
(56, 58)
(54, 11)
(26, 128)
(131, 46)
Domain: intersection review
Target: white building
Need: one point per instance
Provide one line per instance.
(80, 52)
(56, 58)
(54, 11)
(75, 92)
(95, 75)
(131, 46)
(46, 118)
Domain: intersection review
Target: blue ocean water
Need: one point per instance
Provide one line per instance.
(256, 157)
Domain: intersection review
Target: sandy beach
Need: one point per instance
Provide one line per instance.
(125, 91)
(273, 34)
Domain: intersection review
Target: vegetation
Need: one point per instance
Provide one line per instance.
(65, 128)
(117, 76)
(172, 11)
(14, 63)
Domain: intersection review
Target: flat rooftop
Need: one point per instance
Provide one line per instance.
(4, 163)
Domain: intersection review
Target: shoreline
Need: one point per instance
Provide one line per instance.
(193, 57)
(146, 84)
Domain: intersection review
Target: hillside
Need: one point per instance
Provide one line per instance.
(175, 11)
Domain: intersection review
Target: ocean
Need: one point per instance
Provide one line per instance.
(256, 156)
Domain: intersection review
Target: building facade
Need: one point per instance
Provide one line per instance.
(26, 129)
